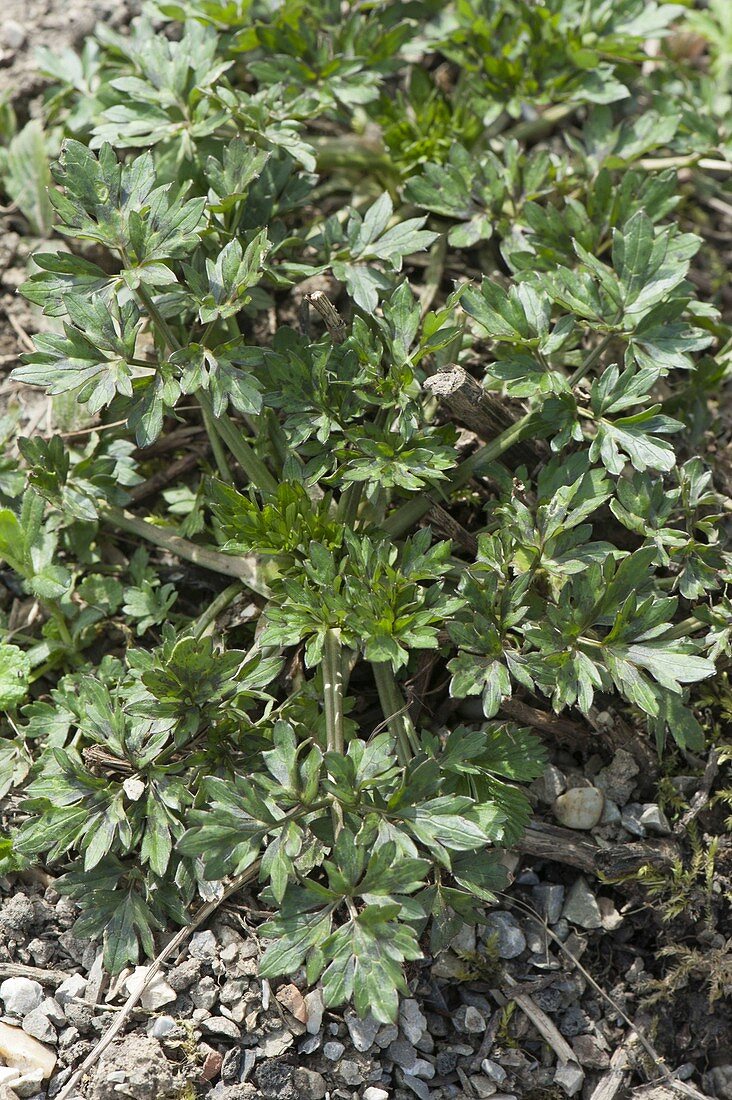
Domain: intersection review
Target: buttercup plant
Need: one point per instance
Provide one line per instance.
(510, 211)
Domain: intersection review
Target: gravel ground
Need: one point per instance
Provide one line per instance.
(504, 1012)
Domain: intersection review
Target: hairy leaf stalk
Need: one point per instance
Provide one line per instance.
(333, 690)
(395, 711)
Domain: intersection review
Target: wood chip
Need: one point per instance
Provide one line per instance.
(290, 997)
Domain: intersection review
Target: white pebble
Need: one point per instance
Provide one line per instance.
(579, 808)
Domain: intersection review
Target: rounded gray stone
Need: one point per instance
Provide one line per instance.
(503, 930)
(21, 996)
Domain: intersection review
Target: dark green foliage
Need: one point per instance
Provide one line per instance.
(490, 185)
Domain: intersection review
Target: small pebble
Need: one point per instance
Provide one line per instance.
(589, 1053)
(581, 906)
(230, 1066)
(220, 1026)
(310, 1084)
(184, 975)
(610, 813)
(419, 1088)
(229, 954)
(333, 1051)
(448, 966)
(446, 1062)
(154, 995)
(574, 1022)
(570, 1077)
(18, 915)
(211, 1065)
(630, 817)
(493, 1070)
(561, 929)
(37, 1024)
(350, 1072)
(96, 978)
(422, 1068)
(387, 1035)
(654, 820)
(535, 936)
(610, 917)
(362, 1032)
(549, 898)
(248, 1062)
(21, 996)
(162, 1026)
(503, 930)
(403, 1053)
(482, 1086)
(617, 780)
(374, 1093)
(314, 1007)
(41, 951)
(550, 784)
(53, 1011)
(276, 1043)
(469, 1019)
(29, 1084)
(579, 808)
(412, 1020)
(203, 946)
(13, 34)
(205, 994)
(290, 997)
(465, 942)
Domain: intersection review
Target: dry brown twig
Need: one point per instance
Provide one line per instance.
(20, 332)
(701, 797)
(541, 1022)
(36, 973)
(334, 323)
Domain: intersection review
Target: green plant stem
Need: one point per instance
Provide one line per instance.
(352, 495)
(707, 164)
(218, 450)
(200, 625)
(349, 503)
(404, 517)
(277, 438)
(589, 362)
(160, 323)
(333, 690)
(58, 617)
(245, 455)
(686, 627)
(395, 712)
(244, 569)
(222, 425)
(538, 127)
(354, 154)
